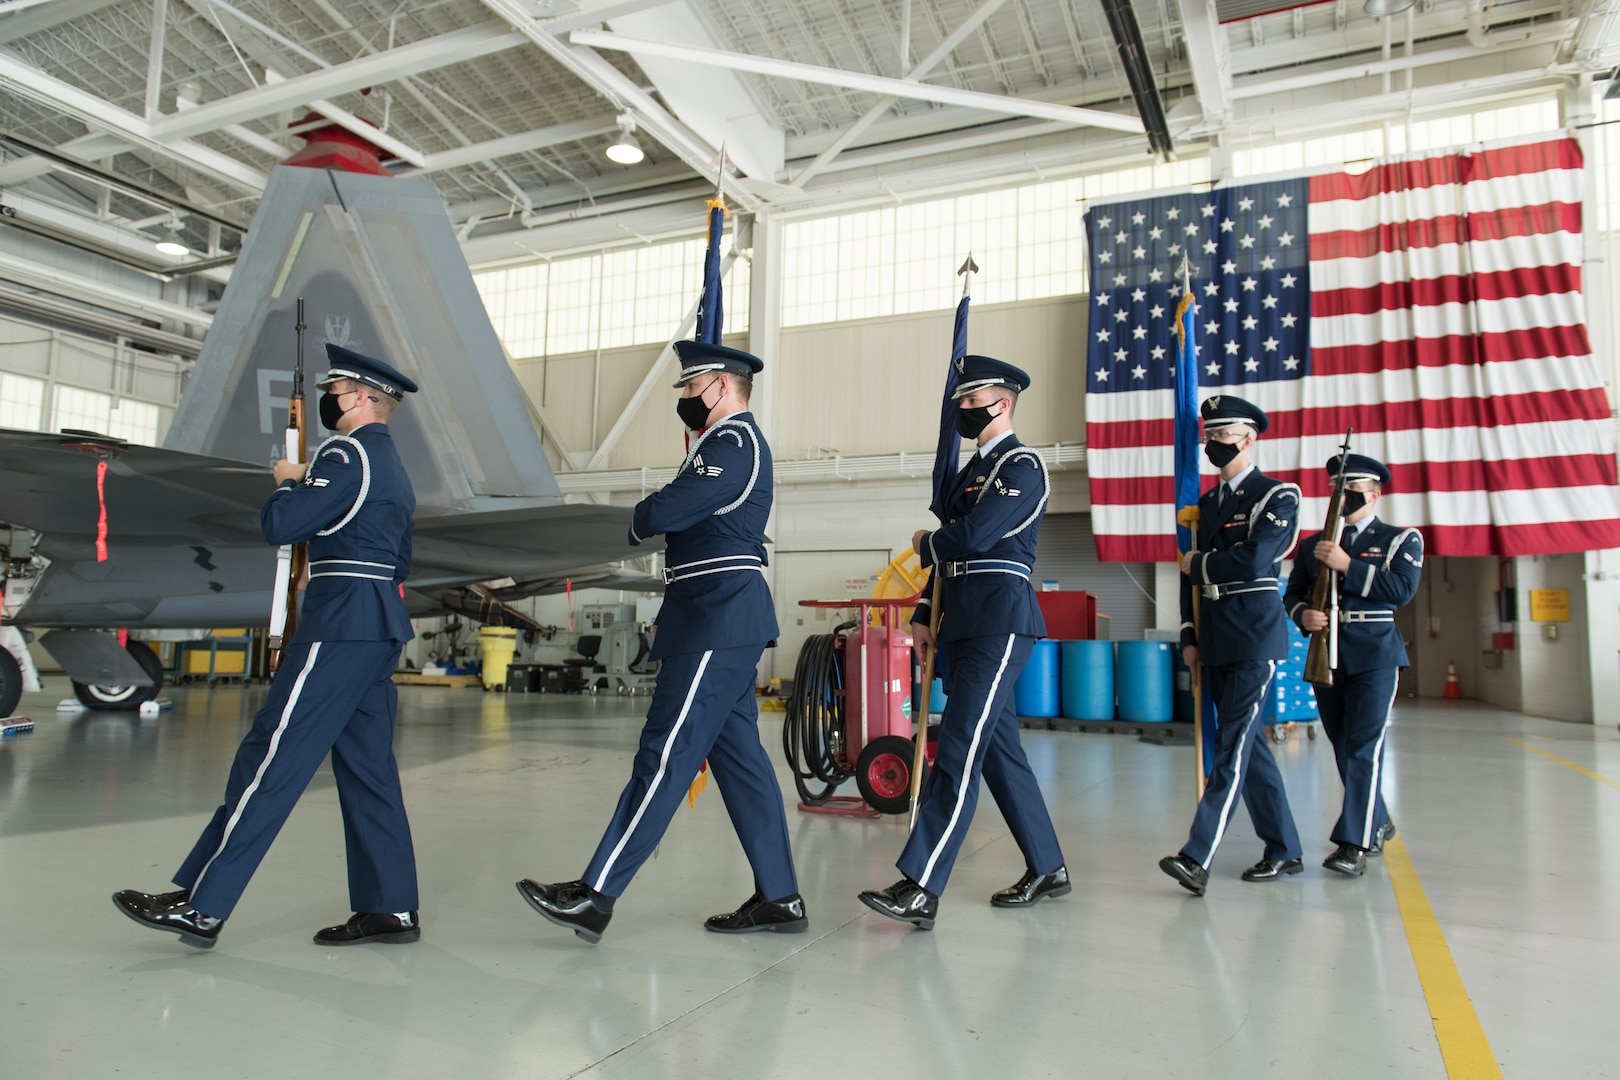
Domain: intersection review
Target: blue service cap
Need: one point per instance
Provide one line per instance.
(699, 356)
(977, 372)
(1224, 410)
(1358, 467)
(348, 364)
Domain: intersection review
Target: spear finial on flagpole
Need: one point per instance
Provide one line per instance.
(719, 200)
(1185, 270)
(967, 270)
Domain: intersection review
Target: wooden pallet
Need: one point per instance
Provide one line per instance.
(413, 679)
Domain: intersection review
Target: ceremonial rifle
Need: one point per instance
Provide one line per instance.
(291, 559)
(1323, 655)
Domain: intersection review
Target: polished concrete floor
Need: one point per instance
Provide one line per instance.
(1128, 976)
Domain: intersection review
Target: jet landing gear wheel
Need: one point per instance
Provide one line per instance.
(883, 773)
(121, 697)
(11, 683)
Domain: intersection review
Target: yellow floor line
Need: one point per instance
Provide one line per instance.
(1599, 777)
(1463, 1046)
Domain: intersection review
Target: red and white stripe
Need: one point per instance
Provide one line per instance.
(1448, 327)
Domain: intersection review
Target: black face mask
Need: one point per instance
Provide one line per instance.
(692, 411)
(1220, 454)
(1353, 501)
(969, 422)
(331, 412)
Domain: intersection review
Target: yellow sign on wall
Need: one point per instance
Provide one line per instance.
(1549, 605)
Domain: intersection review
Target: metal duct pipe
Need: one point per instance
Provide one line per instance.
(1133, 56)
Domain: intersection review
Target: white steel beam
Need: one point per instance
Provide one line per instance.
(43, 17)
(374, 70)
(611, 83)
(29, 82)
(1209, 56)
(922, 68)
(1398, 103)
(351, 123)
(1347, 73)
(113, 236)
(154, 57)
(655, 374)
(1366, 35)
(88, 291)
(873, 84)
(718, 106)
(523, 142)
(87, 148)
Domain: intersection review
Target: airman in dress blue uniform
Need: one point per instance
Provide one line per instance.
(989, 624)
(1247, 525)
(1378, 566)
(333, 693)
(716, 620)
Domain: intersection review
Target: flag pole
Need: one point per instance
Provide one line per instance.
(920, 742)
(1189, 516)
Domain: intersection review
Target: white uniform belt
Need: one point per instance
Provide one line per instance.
(1366, 616)
(1236, 588)
(359, 568)
(962, 568)
(723, 564)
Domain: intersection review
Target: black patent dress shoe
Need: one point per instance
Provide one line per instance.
(1191, 876)
(195, 929)
(1032, 886)
(785, 916)
(567, 903)
(388, 927)
(150, 900)
(1272, 869)
(1385, 832)
(1348, 859)
(904, 901)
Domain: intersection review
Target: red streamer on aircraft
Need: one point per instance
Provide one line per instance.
(101, 512)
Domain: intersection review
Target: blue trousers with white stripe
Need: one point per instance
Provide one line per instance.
(332, 696)
(1355, 716)
(1243, 766)
(702, 707)
(979, 734)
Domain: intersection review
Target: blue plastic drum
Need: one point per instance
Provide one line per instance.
(1146, 682)
(1088, 680)
(1036, 691)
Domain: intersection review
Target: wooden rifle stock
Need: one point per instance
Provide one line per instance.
(292, 560)
(1323, 654)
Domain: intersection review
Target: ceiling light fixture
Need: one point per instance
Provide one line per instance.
(171, 245)
(1381, 9)
(625, 149)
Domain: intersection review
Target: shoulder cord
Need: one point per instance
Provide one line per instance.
(753, 478)
(1400, 539)
(365, 478)
(1254, 514)
(1046, 485)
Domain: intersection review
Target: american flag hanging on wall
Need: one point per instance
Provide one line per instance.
(1433, 302)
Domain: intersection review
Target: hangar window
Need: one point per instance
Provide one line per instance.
(614, 299)
(1029, 242)
(86, 410)
(135, 421)
(22, 401)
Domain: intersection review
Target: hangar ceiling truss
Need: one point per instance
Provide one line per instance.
(507, 105)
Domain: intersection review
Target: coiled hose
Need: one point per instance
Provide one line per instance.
(813, 728)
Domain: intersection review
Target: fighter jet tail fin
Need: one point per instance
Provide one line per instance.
(378, 264)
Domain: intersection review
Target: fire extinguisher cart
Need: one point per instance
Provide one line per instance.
(850, 713)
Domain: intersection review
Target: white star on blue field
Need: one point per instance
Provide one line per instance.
(1250, 282)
